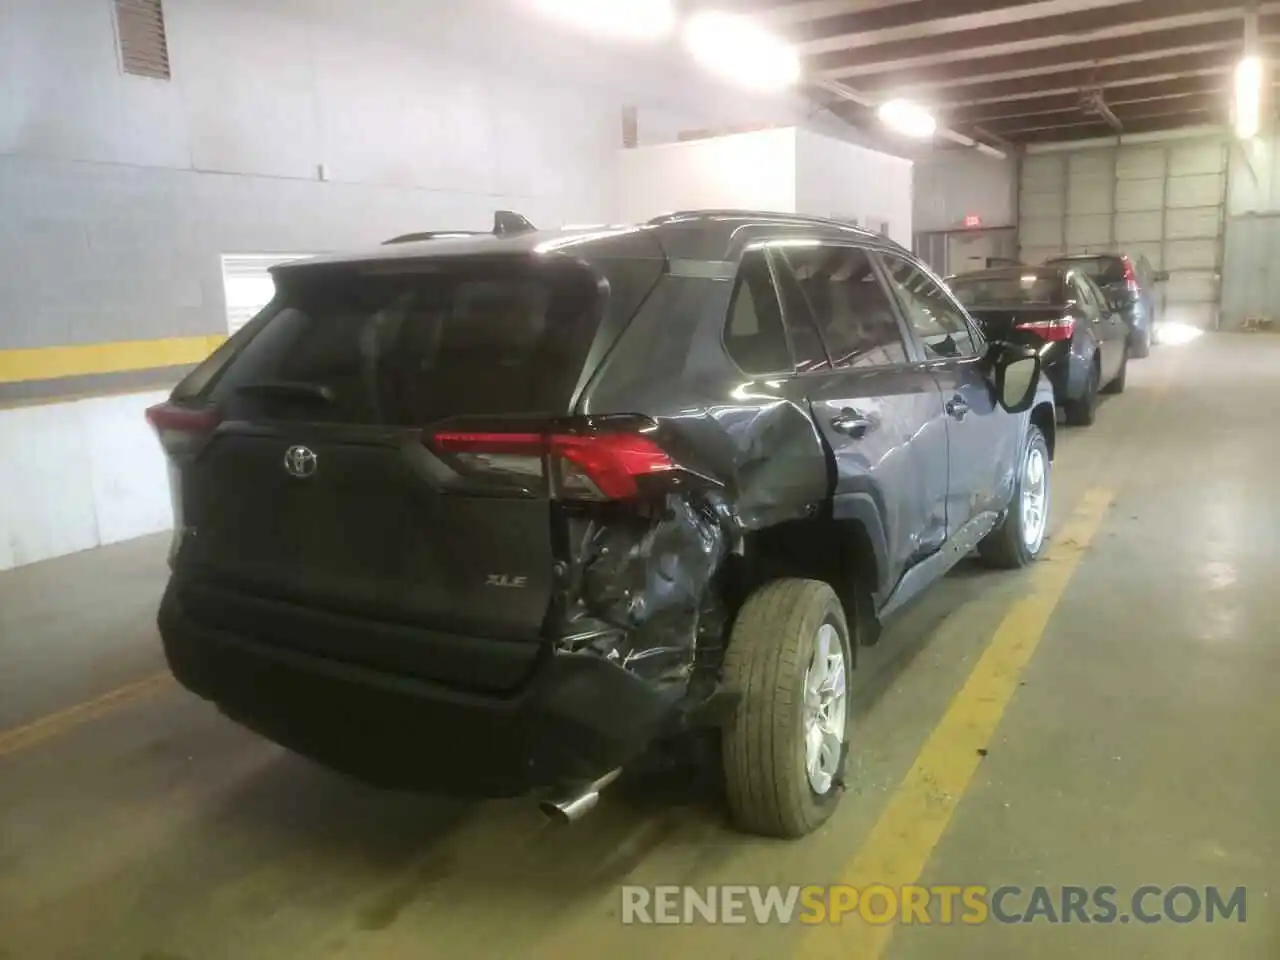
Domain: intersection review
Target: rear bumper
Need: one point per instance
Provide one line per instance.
(578, 716)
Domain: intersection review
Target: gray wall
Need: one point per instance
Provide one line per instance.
(951, 184)
(119, 193)
(1250, 281)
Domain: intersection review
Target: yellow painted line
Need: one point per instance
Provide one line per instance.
(900, 844)
(21, 738)
(52, 363)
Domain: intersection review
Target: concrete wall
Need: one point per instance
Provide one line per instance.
(76, 475)
(953, 184)
(120, 193)
(1250, 281)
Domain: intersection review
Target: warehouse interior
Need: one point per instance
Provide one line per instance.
(1102, 719)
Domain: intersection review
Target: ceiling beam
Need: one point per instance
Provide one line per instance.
(1098, 129)
(1065, 81)
(835, 31)
(1185, 106)
(1070, 100)
(1151, 46)
(1141, 17)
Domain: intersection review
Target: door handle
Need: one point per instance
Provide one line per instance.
(957, 407)
(851, 423)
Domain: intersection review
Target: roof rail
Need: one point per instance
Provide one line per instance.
(434, 235)
(506, 223)
(763, 215)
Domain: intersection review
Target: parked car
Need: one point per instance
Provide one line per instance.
(1128, 283)
(494, 515)
(1084, 342)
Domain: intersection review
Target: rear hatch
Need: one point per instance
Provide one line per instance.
(321, 512)
(1114, 276)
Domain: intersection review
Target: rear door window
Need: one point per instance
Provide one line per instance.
(842, 292)
(754, 334)
(409, 348)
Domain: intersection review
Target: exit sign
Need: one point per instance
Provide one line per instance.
(972, 221)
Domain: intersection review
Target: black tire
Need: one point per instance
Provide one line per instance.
(1117, 385)
(770, 648)
(1140, 348)
(1083, 410)
(1005, 547)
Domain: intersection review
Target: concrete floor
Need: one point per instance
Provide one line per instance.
(1140, 748)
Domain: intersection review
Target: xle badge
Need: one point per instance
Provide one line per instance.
(506, 580)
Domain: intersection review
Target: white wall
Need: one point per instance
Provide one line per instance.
(753, 171)
(77, 475)
(789, 170)
(121, 192)
(835, 178)
(1250, 280)
(953, 184)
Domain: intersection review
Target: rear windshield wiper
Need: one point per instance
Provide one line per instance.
(289, 388)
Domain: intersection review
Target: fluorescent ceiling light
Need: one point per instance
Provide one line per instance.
(1248, 98)
(615, 19)
(737, 49)
(907, 118)
(990, 151)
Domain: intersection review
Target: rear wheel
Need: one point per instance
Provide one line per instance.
(787, 743)
(1019, 538)
(1117, 385)
(1082, 410)
(1141, 345)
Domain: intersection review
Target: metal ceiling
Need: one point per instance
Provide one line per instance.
(1014, 72)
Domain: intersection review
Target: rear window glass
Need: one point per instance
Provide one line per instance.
(409, 348)
(1027, 287)
(1101, 270)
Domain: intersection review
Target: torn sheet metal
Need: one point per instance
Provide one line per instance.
(637, 588)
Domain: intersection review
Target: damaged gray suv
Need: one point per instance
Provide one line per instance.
(495, 514)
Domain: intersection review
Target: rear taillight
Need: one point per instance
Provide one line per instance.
(1060, 329)
(1130, 275)
(610, 464)
(593, 466)
(181, 428)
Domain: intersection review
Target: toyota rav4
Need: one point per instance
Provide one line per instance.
(494, 514)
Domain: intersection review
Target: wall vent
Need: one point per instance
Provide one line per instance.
(144, 50)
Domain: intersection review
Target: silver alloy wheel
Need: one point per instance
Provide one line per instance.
(825, 709)
(1035, 498)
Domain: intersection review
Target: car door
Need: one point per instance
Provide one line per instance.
(880, 413)
(982, 439)
(1107, 322)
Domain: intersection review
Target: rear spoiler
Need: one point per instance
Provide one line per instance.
(506, 223)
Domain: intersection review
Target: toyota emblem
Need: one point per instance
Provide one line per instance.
(300, 462)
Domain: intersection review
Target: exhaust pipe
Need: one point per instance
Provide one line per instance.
(572, 807)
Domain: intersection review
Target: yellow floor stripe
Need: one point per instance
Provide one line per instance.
(21, 738)
(903, 839)
(52, 363)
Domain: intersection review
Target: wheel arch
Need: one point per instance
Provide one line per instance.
(1045, 417)
(845, 553)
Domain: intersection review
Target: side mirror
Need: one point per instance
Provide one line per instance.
(1016, 372)
(1160, 276)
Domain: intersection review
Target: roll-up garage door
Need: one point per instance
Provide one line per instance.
(1163, 201)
